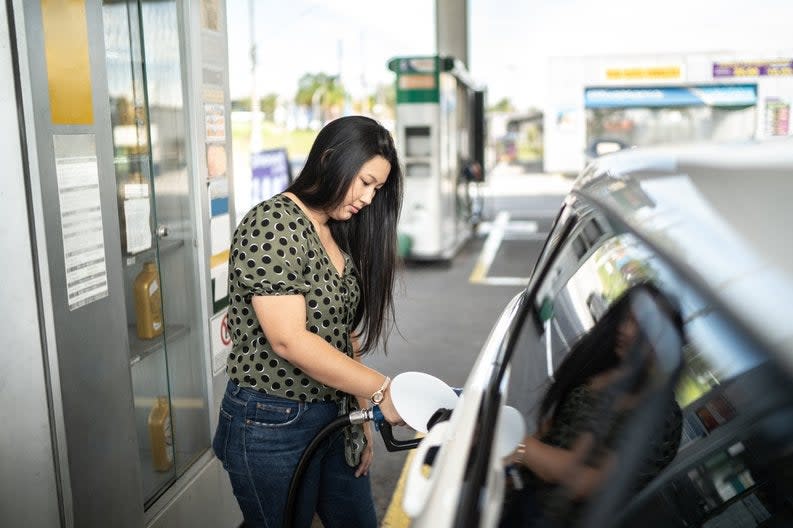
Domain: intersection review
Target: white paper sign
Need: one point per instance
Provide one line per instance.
(136, 217)
(81, 222)
(220, 233)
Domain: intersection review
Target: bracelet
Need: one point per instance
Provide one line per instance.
(379, 394)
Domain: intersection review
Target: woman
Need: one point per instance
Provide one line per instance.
(581, 415)
(311, 275)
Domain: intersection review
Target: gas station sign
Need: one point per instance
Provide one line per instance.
(752, 69)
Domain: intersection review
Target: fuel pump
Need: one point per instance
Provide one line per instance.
(440, 134)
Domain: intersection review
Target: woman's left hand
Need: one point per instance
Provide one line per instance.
(368, 453)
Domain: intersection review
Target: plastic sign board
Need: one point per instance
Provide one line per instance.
(270, 174)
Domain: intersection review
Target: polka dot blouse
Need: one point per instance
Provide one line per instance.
(276, 251)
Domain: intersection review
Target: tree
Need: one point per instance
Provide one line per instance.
(504, 105)
(243, 104)
(268, 104)
(320, 90)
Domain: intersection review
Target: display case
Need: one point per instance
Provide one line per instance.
(158, 250)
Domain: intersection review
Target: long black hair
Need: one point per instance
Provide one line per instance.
(370, 236)
(595, 352)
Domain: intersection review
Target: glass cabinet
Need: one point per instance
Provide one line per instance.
(157, 216)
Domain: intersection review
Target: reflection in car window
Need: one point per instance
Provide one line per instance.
(732, 442)
(581, 290)
(621, 371)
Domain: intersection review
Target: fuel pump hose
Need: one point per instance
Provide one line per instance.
(354, 417)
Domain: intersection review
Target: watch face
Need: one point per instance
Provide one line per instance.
(377, 397)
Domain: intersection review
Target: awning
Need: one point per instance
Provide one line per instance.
(669, 96)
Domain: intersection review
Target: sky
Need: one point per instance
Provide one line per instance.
(510, 41)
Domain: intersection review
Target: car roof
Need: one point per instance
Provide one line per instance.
(721, 213)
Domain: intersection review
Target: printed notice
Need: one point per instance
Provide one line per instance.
(136, 216)
(215, 122)
(81, 226)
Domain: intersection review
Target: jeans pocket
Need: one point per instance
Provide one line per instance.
(273, 413)
(221, 438)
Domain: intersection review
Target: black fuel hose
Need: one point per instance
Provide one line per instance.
(356, 417)
(302, 465)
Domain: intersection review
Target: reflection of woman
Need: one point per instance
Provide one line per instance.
(567, 457)
(311, 272)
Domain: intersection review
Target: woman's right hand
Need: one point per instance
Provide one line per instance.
(389, 411)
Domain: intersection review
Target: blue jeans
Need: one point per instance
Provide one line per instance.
(260, 439)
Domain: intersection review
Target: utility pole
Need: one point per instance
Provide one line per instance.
(365, 110)
(256, 114)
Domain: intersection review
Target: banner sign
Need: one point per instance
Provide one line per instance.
(653, 72)
(752, 69)
(270, 174)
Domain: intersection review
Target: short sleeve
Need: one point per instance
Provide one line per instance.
(268, 253)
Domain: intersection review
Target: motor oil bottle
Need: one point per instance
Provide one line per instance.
(148, 304)
(160, 435)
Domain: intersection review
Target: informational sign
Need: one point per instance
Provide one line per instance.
(136, 217)
(77, 173)
(777, 116)
(215, 122)
(219, 273)
(220, 222)
(752, 69)
(210, 14)
(216, 160)
(220, 231)
(221, 341)
(270, 174)
(651, 72)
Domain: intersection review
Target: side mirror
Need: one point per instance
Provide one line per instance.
(603, 146)
(607, 147)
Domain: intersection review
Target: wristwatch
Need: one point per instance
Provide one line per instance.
(379, 394)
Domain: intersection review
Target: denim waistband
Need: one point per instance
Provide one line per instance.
(247, 394)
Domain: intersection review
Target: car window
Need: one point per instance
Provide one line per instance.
(615, 386)
(734, 455)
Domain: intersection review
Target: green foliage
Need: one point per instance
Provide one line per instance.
(503, 105)
(242, 105)
(296, 142)
(328, 89)
(268, 104)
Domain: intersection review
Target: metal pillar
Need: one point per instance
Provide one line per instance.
(451, 29)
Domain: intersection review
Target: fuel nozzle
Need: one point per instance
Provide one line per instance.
(374, 414)
(420, 399)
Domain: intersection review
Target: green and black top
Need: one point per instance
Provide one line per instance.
(276, 251)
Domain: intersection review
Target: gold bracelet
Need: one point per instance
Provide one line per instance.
(379, 394)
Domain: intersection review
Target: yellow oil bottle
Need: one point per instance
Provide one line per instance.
(148, 304)
(160, 435)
